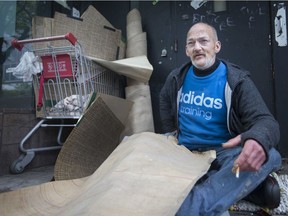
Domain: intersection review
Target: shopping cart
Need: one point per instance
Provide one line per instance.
(63, 89)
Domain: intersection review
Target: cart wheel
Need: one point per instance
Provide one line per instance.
(17, 166)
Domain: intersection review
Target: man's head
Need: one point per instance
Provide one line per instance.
(202, 45)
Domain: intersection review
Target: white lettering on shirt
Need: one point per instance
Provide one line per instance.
(201, 100)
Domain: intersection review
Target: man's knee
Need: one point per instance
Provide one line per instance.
(274, 158)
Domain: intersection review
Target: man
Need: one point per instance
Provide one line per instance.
(211, 104)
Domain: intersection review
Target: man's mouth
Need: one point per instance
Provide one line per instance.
(199, 56)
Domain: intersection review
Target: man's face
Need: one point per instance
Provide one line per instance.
(202, 46)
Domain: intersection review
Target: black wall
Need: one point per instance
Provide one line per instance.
(245, 30)
(280, 72)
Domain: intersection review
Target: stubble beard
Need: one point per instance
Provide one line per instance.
(208, 63)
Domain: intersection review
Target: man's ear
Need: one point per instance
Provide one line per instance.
(186, 50)
(217, 46)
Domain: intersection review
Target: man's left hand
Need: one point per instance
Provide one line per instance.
(252, 155)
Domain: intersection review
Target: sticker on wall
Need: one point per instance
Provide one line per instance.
(197, 3)
(280, 25)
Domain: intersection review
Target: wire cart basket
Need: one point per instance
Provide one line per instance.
(63, 89)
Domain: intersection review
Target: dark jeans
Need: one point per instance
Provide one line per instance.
(215, 192)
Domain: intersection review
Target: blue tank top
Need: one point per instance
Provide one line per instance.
(202, 110)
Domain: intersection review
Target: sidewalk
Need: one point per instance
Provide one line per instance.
(31, 177)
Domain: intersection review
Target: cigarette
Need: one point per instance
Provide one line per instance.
(237, 172)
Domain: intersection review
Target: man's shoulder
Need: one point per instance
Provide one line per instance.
(235, 73)
(235, 68)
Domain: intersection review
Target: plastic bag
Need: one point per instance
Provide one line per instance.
(29, 65)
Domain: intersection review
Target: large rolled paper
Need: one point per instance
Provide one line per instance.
(147, 174)
(137, 46)
(133, 23)
(133, 28)
(140, 118)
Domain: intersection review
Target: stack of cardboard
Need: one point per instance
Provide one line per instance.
(96, 35)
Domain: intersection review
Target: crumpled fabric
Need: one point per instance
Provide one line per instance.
(72, 103)
(29, 65)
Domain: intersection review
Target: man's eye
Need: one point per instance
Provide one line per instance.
(191, 43)
(203, 41)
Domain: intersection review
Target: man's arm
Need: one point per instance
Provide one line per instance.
(258, 123)
(166, 107)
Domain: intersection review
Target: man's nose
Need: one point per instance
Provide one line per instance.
(197, 46)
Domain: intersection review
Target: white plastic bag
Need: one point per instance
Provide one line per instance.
(29, 65)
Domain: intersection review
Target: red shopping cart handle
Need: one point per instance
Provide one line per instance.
(18, 44)
(40, 93)
(69, 36)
